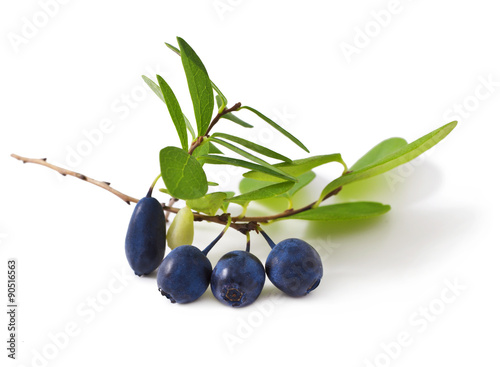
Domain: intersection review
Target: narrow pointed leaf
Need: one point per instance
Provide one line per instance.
(200, 86)
(399, 157)
(249, 184)
(220, 98)
(343, 211)
(304, 180)
(253, 146)
(215, 88)
(173, 48)
(175, 111)
(277, 127)
(157, 90)
(189, 127)
(154, 87)
(219, 159)
(182, 174)
(232, 117)
(264, 192)
(208, 204)
(298, 167)
(212, 149)
(378, 152)
(251, 157)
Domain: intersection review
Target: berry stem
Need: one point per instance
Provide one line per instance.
(150, 192)
(248, 242)
(268, 239)
(212, 244)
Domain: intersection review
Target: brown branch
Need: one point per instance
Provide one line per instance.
(220, 219)
(217, 117)
(103, 184)
(241, 224)
(171, 202)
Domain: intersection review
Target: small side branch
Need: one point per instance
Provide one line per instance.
(103, 184)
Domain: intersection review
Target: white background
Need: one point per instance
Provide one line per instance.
(70, 70)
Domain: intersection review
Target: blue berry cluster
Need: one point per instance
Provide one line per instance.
(237, 279)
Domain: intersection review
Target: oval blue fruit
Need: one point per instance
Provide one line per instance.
(146, 236)
(238, 278)
(294, 267)
(184, 274)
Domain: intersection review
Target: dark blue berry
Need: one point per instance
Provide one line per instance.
(294, 267)
(145, 240)
(238, 278)
(184, 274)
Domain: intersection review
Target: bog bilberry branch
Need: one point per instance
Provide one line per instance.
(242, 224)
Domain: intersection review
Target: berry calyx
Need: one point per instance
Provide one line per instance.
(238, 278)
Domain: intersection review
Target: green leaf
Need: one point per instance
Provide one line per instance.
(343, 211)
(189, 127)
(200, 86)
(264, 192)
(277, 127)
(378, 152)
(208, 204)
(253, 146)
(173, 48)
(304, 180)
(175, 111)
(230, 116)
(220, 98)
(210, 183)
(249, 184)
(154, 87)
(401, 156)
(251, 157)
(182, 174)
(298, 167)
(218, 159)
(213, 149)
(217, 90)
